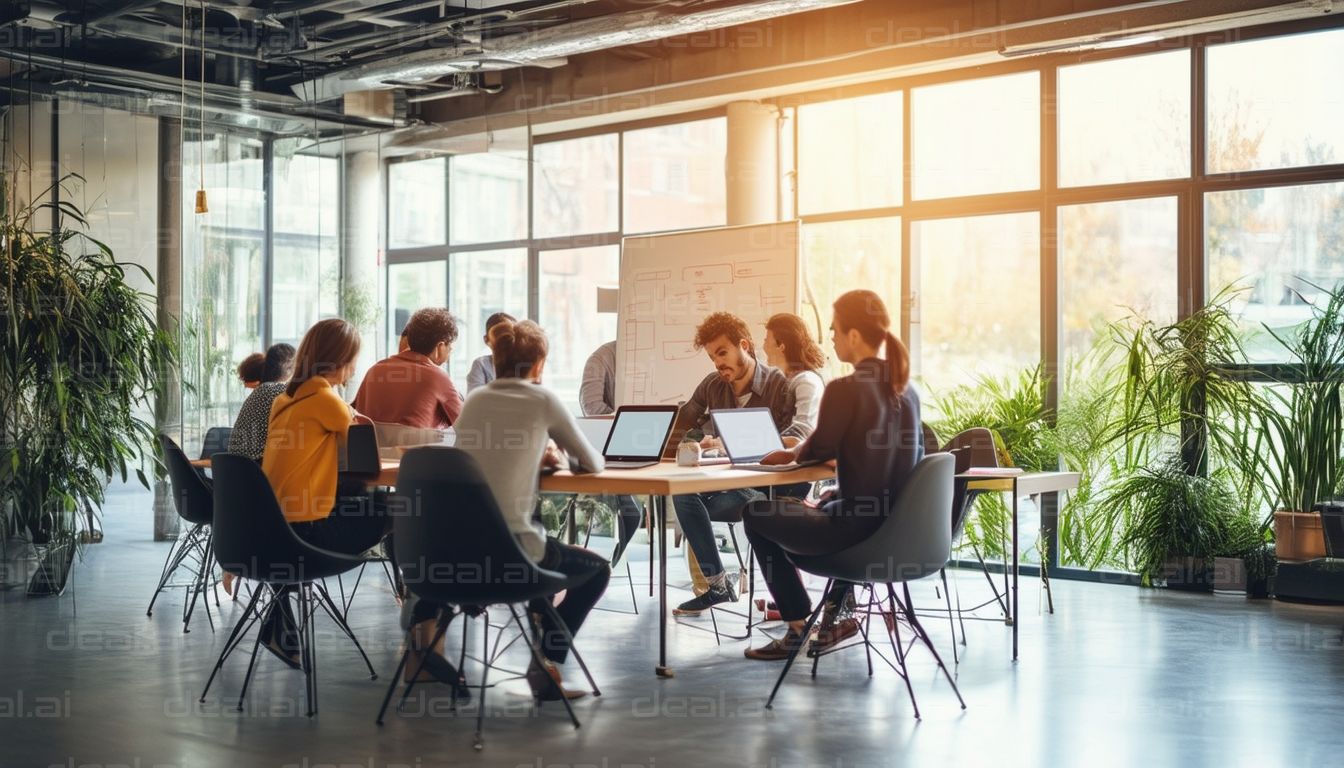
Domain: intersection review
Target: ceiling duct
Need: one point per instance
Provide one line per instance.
(1160, 21)
(548, 47)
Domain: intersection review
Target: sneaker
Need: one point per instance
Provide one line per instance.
(777, 650)
(831, 636)
(718, 593)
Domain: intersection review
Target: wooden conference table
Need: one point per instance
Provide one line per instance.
(666, 479)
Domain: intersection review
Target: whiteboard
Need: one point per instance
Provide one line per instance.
(671, 282)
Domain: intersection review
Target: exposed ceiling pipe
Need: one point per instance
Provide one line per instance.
(134, 29)
(576, 37)
(379, 15)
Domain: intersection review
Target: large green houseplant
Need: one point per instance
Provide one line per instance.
(1304, 421)
(81, 354)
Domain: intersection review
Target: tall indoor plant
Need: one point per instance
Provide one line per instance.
(81, 353)
(1304, 419)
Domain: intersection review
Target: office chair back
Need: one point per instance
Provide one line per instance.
(216, 441)
(914, 541)
(452, 544)
(192, 496)
(252, 537)
(973, 447)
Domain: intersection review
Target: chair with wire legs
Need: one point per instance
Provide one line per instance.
(195, 504)
(455, 527)
(613, 504)
(252, 540)
(914, 541)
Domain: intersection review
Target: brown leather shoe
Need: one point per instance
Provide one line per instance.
(830, 637)
(777, 650)
(546, 685)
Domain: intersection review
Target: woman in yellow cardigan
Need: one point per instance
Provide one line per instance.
(308, 422)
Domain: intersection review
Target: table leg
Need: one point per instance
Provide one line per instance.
(660, 522)
(1014, 567)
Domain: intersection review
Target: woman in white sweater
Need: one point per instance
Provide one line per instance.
(508, 426)
(790, 348)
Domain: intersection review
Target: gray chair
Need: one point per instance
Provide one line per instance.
(216, 441)
(195, 503)
(913, 542)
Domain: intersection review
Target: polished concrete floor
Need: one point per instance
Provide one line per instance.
(1116, 677)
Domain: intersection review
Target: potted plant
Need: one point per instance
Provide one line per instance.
(81, 353)
(1304, 421)
(1176, 522)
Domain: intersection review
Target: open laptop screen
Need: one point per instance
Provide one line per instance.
(639, 432)
(747, 433)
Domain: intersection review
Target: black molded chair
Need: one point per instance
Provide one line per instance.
(913, 542)
(252, 540)
(216, 441)
(450, 524)
(195, 504)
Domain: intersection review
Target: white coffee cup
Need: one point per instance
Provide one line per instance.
(688, 454)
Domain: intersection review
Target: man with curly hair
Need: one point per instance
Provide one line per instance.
(411, 387)
(739, 381)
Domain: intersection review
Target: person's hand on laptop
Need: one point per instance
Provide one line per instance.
(790, 441)
(711, 443)
(787, 456)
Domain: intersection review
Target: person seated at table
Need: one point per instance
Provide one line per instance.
(249, 370)
(483, 368)
(869, 424)
(790, 348)
(739, 381)
(597, 397)
(411, 387)
(308, 422)
(248, 437)
(515, 403)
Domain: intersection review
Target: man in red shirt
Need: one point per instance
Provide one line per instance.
(411, 387)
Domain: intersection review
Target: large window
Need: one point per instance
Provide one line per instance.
(979, 297)
(976, 137)
(1116, 258)
(843, 256)
(305, 275)
(1276, 103)
(222, 278)
(575, 187)
(415, 205)
(482, 283)
(1282, 246)
(412, 287)
(850, 154)
(674, 176)
(488, 195)
(1125, 120)
(569, 312)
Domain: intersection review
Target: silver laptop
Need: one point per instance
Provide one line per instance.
(748, 435)
(638, 436)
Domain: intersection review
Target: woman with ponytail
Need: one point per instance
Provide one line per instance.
(869, 424)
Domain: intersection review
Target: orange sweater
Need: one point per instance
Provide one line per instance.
(301, 449)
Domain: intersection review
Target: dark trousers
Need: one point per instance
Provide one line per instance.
(695, 513)
(629, 515)
(778, 528)
(355, 524)
(594, 572)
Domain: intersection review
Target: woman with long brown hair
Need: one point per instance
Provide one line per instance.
(790, 348)
(309, 421)
(869, 425)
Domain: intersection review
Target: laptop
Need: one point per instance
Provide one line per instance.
(748, 435)
(638, 436)
(595, 430)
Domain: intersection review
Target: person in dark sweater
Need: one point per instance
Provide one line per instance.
(869, 424)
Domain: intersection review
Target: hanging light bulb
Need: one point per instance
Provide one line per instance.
(201, 205)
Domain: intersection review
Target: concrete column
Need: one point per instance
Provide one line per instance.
(168, 287)
(361, 224)
(752, 163)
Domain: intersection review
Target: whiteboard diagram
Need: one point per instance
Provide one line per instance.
(671, 282)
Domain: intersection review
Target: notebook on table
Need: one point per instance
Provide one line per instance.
(749, 435)
(638, 436)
